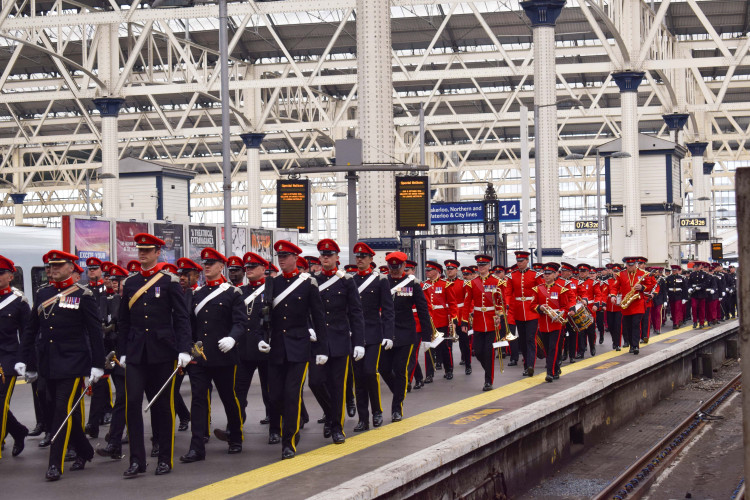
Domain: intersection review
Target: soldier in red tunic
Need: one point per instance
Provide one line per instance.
(455, 288)
(520, 293)
(637, 280)
(442, 307)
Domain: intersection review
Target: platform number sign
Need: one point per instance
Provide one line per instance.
(509, 210)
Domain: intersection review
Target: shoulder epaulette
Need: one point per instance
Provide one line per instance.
(236, 289)
(313, 281)
(467, 282)
(86, 289)
(563, 289)
(383, 276)
(535, 288)
(173, 277)
(19, 293)
(347, 276)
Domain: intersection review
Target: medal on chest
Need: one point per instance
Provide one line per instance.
(406, 291)
(157, 291)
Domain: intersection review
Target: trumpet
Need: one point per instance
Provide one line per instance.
(509, 336)
(435, 333)
(553, 314)
(452, 336)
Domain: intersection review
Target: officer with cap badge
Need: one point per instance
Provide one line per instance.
(218, 318)
(455, 291)
(636, 280)
(154, 333)
(251, 359)
(235, 270)
(442, 307)
(295, 303)
(407, 293)
(378, 312)
(67, 330)
(345, 329)
(15, 313)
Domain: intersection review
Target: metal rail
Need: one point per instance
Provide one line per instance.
(633, 483)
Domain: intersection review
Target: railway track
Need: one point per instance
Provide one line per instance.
(635, 481)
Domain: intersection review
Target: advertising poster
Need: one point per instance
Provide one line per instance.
(91, 240)
(200, 237)
(239, 241)
(125, 245)
(261, 242)
(174, 247)
(284, 234)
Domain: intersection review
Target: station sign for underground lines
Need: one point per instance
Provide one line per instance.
(472, 212)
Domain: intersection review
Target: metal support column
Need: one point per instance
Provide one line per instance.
(543, 15)
(628, 82)
(226, 159)
(252, 142)
(375, 115)
(701, 192)
(109, 109)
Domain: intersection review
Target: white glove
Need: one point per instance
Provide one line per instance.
(96, 375)
(320, 359)
(264, 347)
(723, 294)
(226, 344)
(359, 353)
(20, 369)
(122, 362)
(684, 301)
(690, 290)
(422, 348)
(313, 337)
(387, 344)
(711, 291)
(183, 359)
(31, 377)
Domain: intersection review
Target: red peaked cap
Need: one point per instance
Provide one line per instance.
(676, 267)
(116, 271)
(523, 254)
(145, 240)
(212, 254)
(107, 267)
(483, 259)
(60, 257)
(254, 258)
(93, 262)
(328, 245)
(383, 269)
(273, 268)
(169, 267)
(284, 246)
(551, 266)
(302, 262)
(396, 258)
(77, 268)
(431, 264)
(186, 264)
(234, 261)
(410, 264)
(363, 248)
(452, 263)
(7, 264)
(134, 266)
(567, 267)
(311, 259)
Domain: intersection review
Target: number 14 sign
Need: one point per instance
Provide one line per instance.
(509, 210)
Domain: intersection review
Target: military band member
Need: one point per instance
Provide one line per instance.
(235, 270)
(631, 279)
(66, 329)
(520, 295)
(658, 300)
(512, 348)
(251, 359)
(677, 293)
(345, 331)
(313, 264)
(480, 300)
(101, 396)
(586, 293)
(377, 309)
(699, 284)
(731, 298)
(154, 339)
(442, 307)
(713, 303)
(613, 309)
(296, 304)
(455, 287)
(115, 275)
(219, 319)
(394, 363)
(15, 313)
(570, 336)
(552, 301)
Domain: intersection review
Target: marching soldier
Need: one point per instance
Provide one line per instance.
(570, 340)
(15, 313)
(133, 267)
(154, 333)
(698, 285)
(101, 395)
(218, 319)
(251, 359)
(552, 301)
(713, 304)
(313, 264)
(600, 312)
(660, 297)
(585, 292)
(480, 300)
(520, 295)
(235, 271)
(415, 369)
(442, 307)
(455, 288)
(344, 329)
(638, 281)
(67, 331)
(296, 302)
(189, 273)
(377, 309)
(394, 363)
(677, 293)
(512, 344)
(613, 309)
(731, 298)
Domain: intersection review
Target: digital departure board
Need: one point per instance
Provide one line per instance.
(293, 204)
(412, 203)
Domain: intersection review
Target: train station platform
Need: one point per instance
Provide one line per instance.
(445, 423)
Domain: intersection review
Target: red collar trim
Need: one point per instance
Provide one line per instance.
(99, 282)
(63, 284)
(329, 273)
(110, 291)
(150, 272)
(258, 283)
(403, 275)
(6, 291)
(292, 274)
(365, 273)
(194, 287)
(217, 282)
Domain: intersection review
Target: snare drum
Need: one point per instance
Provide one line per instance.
(582, 318)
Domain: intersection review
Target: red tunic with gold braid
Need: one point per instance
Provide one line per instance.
(624, 282)
(439, 302)
(520, 285)
(557, 297)
(455, 292)
(480, 302)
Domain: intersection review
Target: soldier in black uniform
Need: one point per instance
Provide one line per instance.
(115, 275)
(189, 273)
(407, 293)
(251, 359)
(295, 302)
(345, 328)
(377, 309)
(154, 328)
(677, 294)
(101, 394)
(699, 283)
(14, 316)
(731, 298)
(219, 319)
(235, 270)
(67, 333)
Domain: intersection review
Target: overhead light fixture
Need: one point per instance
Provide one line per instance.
(704, 198)
(267, 212)
(339, 194)
(621, 154)
(574, 156)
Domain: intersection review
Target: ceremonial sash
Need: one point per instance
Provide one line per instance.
(10, 298)
(210, 297)
(402, 284)
(331, 281)
(52, 300)
(255, 294)
(302, 277)
(144, 289)
(367, 282)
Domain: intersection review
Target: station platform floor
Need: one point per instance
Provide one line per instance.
(437, 412)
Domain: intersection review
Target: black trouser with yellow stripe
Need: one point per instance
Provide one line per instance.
(285, 383)
(367, 382)
(245, 372)
(148, 379)
(8, 423)
(200, 380)
(328, 383)
(101, 401)
(394, 368)
(62, 394)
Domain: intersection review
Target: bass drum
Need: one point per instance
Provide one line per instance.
(581, 318)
